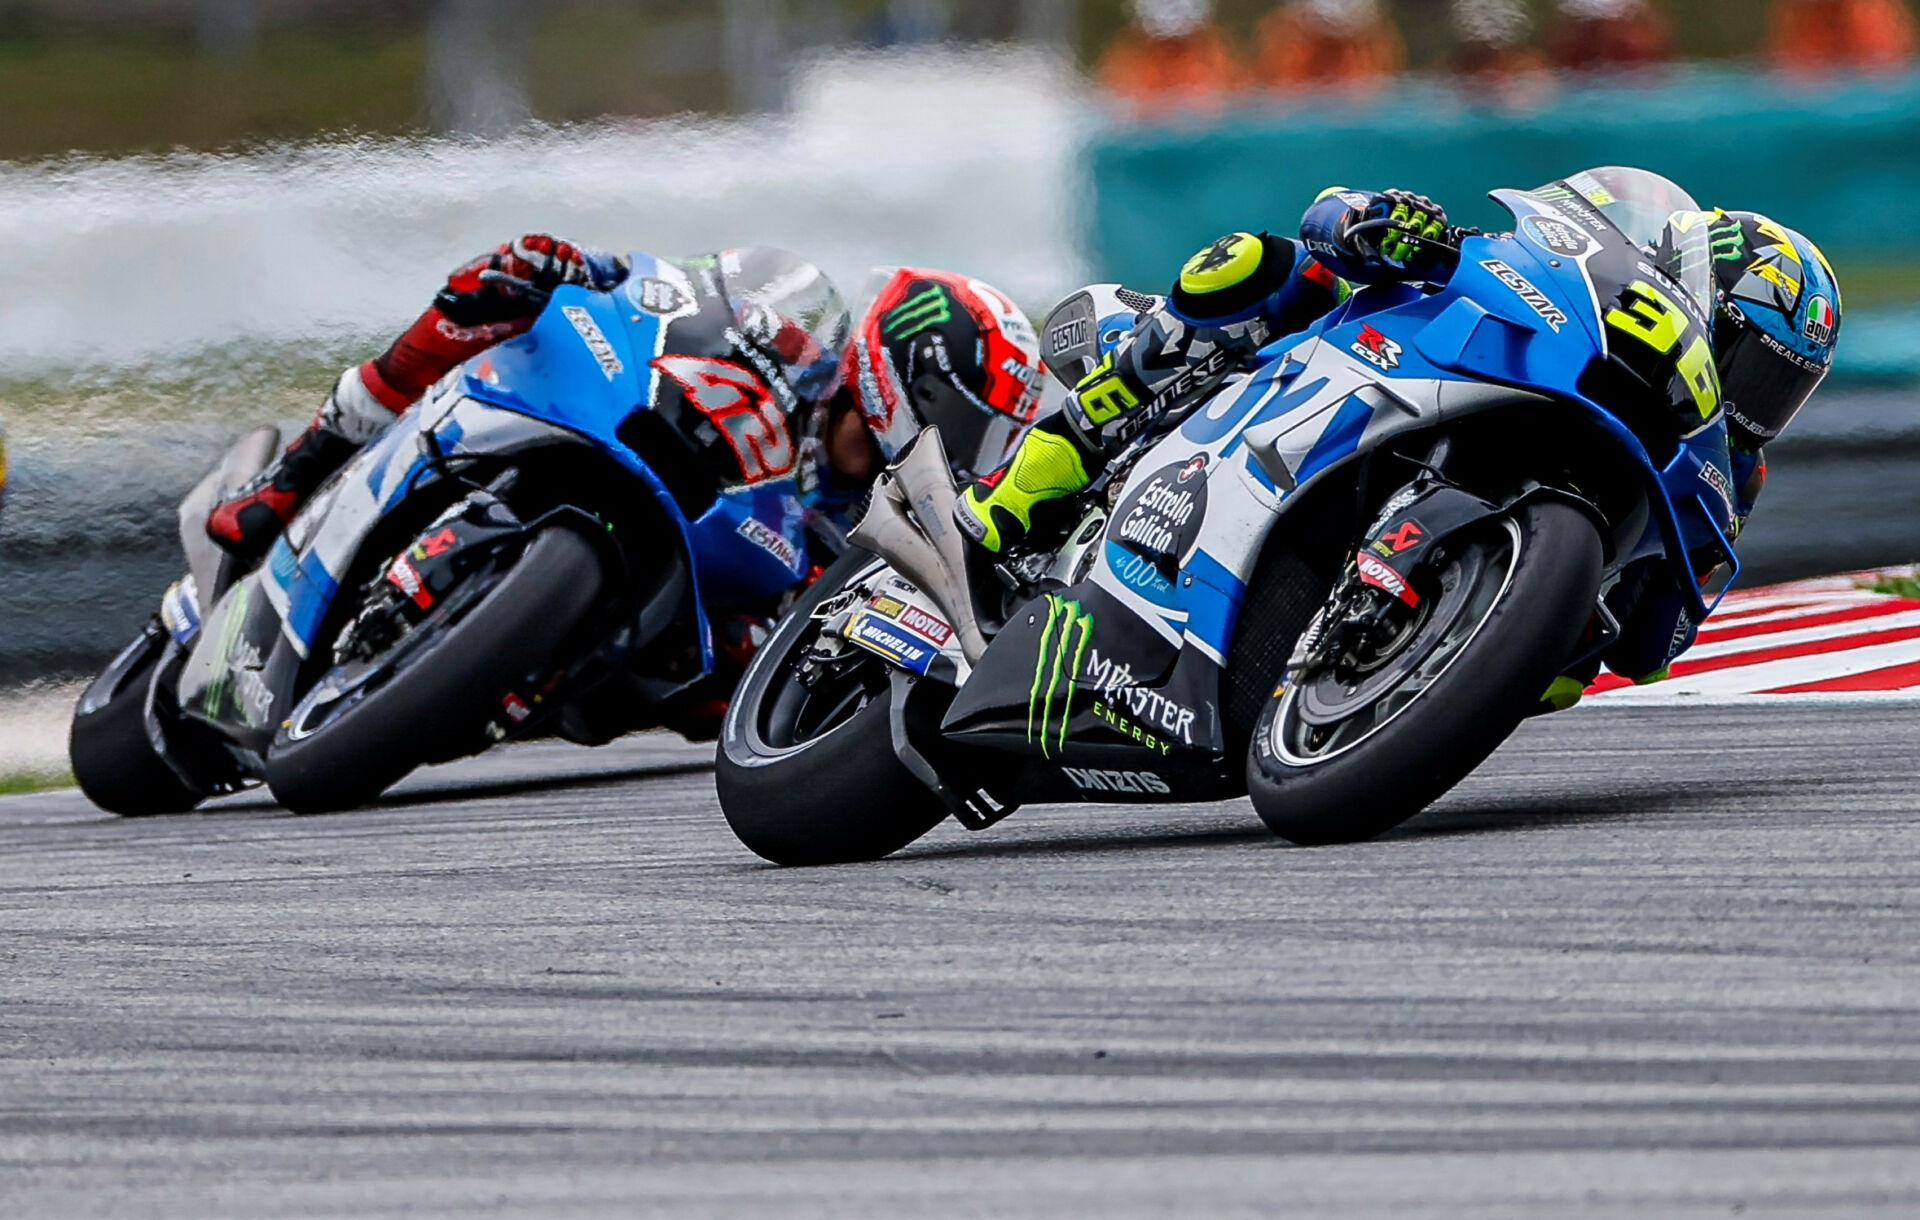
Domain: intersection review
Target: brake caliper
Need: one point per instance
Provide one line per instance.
(417, 580)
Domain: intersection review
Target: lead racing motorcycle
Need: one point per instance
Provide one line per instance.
(1336, 584)
(538, 548)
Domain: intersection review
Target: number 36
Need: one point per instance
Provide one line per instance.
(1653, 318)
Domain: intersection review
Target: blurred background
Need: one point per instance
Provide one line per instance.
(208, 206)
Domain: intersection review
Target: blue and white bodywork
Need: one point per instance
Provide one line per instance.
(590, 364)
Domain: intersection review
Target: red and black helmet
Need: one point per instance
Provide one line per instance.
(938, 348)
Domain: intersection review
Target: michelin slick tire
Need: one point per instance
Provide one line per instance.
(1493, 679)
(436, 706)
(837, 798)
(114, 758)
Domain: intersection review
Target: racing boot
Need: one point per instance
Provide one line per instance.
(997, 510)
(246, 523)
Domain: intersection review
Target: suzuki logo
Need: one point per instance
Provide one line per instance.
(1376, 349)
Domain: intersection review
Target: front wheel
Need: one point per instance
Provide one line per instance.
(431, 695)
(806, 769)
(1346, 750)
(117, 740)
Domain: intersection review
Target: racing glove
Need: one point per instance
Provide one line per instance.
(492, 298)
(515, 280)
(1371, 237)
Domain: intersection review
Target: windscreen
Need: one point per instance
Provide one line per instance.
(1659, 217)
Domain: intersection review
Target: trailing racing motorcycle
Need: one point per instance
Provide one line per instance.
(540, 547)
(1336, 584)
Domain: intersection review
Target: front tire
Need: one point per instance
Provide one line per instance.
(801, 786)
(1537, 576)
(437, 704)
(111, 744)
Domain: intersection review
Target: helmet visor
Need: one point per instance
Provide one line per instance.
(789, 309)
(976, 439)
(1763, 384)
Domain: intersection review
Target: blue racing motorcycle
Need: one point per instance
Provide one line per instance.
(1337, 583)
(542, 546)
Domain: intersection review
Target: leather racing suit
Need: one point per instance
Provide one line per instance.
(1237, 294)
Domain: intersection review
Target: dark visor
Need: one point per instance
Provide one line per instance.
(975, 439)
(1762, 383)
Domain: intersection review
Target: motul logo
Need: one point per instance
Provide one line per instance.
(914, 619)
(1380, 576)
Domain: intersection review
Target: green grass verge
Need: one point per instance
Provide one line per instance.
(1899, 586)
(34, 781)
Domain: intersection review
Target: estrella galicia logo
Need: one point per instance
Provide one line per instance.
(1154, 528)
(659, 296)
(1558, 236)
(1063, 646)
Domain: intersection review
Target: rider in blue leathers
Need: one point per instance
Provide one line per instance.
(932, 347)
(1775, 326)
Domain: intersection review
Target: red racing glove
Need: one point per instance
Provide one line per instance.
(516, 279)
(494, 297)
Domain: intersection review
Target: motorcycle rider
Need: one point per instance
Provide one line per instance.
(933, 347)
(1776, 322)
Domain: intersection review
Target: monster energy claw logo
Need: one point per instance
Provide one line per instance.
(921, 311)
(1063, 645)
(1728, 240)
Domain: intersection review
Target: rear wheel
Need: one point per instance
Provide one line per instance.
(114, 745)
(1349, 747)
(806, 770)
(366, 724)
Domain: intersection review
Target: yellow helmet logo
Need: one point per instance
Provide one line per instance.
(1228, 261)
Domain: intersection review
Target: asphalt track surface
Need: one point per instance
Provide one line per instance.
(1648, 962)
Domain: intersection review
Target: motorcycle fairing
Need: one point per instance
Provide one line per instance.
(750, 543)
(247, 657)
(1082, 685)
(1392, 360)
(555, 385)
(240, 668)
(303, 569)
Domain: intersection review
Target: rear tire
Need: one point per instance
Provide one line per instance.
(437, 705)
(114, 758)
(1472, 706)
(836, 798)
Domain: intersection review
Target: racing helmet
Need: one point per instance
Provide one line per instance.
(938, 348)
(1776, 321)
(790, 319)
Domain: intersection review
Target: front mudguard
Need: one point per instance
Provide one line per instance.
(154, 659)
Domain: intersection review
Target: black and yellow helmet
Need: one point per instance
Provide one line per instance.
(1776, 324)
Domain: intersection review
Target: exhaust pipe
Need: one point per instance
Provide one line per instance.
(910, 525)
